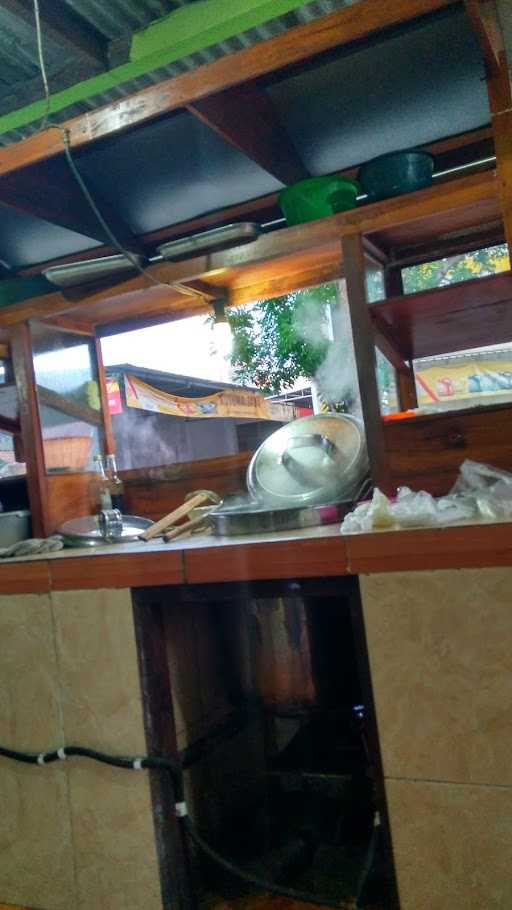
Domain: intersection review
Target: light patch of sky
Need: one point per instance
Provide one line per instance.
(186, 347)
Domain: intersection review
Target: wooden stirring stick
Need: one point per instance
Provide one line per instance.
(186, 527)
(168, 520)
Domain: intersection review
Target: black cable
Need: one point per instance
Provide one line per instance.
(158, 763)
(248, 878)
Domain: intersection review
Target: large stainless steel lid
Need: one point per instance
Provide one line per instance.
(313, 460)
(85, 532)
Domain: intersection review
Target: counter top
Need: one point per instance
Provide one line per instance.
(313, 552)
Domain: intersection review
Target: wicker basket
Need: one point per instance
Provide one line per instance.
(72, 452)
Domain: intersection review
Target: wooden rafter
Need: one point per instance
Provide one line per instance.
(64, 28)
(347, 25)
(246, 117)
(74, 409)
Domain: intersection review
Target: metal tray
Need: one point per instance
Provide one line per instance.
(84, 532)
(222, 238)
(256, 519)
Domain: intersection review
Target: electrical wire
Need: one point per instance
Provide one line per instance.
(174, 767)
(108, 231)
(181, 288)
(42, 65)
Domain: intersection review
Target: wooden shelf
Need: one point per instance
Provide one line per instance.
(469, 314)
(280, 261)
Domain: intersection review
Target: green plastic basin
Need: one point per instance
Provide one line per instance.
(317, 197)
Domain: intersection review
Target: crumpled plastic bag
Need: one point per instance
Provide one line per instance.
(481, 493)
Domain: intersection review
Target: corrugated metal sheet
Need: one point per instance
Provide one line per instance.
(119, 18)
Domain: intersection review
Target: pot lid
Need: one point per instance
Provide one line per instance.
(317, 459)
(86, 532)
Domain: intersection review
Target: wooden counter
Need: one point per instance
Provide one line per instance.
(315, 552)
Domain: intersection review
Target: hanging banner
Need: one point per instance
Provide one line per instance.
(236, 403)
(467, 380)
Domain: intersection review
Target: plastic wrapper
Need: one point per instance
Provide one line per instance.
(481, 494)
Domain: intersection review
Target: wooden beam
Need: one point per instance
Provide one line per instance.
(62, 26)
(364, 349)
(110, 442)
(68, 406)
(246, 117)
(23, 366)
(345, 26)
(484, 17)
(61, 202)
(405, 379)
(385, 344)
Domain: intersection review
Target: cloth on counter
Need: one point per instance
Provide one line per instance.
(32, 547)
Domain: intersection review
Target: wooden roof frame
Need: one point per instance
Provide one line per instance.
(203, 91)
(219, 94)
(350, 24)
(279, 262)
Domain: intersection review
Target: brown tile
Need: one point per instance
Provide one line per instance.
(314, 557)
(36, 868)
(429, 548)
(24, 577)
(441, 663)
(452, 845)
(115, 855)
(36, 865)
(101, 698)
(116, 866)
(29, 695)
(122, 570)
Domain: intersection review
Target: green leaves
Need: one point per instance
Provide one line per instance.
(277, 341)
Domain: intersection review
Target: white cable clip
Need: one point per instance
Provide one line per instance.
(41, 758)
(181, 810)
(137, 764)
(62, 754)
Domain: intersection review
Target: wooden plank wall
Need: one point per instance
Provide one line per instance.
(153, 492)
(426, 452)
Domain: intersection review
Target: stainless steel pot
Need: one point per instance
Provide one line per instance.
(254, 518)
(14, 527)
(312, 460)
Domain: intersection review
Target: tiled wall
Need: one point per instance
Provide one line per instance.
(440, 647)
(73, 835)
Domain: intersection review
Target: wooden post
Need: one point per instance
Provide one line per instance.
(486, 23)
(405, 381)
(173, 850)
(30, 423)
(364, 350)
(110, 442)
